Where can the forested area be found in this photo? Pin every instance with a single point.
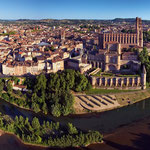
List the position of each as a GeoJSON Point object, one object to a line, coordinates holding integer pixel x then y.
{"type": "Point", "coordinates": [48, 133]}
{"type": "Point", "coordinates": [145, 60]}
{"type": "Point", "coordinates": [48, 93]}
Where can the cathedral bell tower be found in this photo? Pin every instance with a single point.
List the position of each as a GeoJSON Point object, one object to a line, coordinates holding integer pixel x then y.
{"type": "Point", "coordinates": [139, 31]}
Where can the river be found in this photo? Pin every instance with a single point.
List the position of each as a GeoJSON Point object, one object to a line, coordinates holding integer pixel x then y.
{"type": "Point", "coordinates": [116, 125]}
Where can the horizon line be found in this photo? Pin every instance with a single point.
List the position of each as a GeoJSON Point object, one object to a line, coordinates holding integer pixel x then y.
{"type": "Point", "coordinates": [69, 19]}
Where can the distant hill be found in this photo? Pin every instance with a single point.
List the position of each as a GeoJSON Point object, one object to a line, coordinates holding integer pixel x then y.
{"type": "Point", "coordinates": [72, 21]}
{"type": "Point", "coordinates": [124, 20]}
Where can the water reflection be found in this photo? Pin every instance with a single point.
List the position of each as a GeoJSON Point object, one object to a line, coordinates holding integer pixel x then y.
{"type": "Point", "coordinates": [103, 122]}
{"type": "Point", "coordinates": [110, 120]}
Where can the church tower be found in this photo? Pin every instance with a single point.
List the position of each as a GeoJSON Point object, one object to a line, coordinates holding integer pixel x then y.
{"type": "Point", "coordinates": [62, 35]}
{"type": "Point", "coordinates": [139, 31]}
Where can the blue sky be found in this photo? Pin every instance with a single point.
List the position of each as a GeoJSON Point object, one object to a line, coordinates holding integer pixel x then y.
{"type": "Point", "coordinates": [74, 9]}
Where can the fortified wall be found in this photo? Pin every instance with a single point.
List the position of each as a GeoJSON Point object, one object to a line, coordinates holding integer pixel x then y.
{"type": "Point", "coordinates": [114, 82]}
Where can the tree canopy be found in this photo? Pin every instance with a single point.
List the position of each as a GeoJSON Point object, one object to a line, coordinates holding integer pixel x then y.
{"type": "Point", "coordinates": [145, 60]}
{"type": "Point", "coordinates": [50, 93]}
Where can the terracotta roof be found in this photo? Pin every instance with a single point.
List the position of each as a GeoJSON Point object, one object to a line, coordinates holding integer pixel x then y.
{"type": "Point", "coordinates": [56, 59]}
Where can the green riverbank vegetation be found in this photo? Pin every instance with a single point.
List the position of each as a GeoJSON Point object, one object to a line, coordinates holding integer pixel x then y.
{"type": "Point", "coordinates": [47, 93]}
{"type": "Point", "coordinates": [47, 133]}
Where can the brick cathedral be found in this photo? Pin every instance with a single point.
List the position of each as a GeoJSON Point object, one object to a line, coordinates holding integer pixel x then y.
{"type": "Point", "coordinates": [111, 57]}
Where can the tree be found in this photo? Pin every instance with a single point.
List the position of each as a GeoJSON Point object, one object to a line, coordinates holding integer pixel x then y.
{"type": "Point", "coordinates": [146, 36]}
{"type": "Point", "coordinates": [67, 101]}
{"type": "Point", "coordinates": [56, 125]}
{"type": "Point", "coordinates": [35, 123]}
{"type": "Point", "coordinates": [35, 107]}
{"type": "Point", "coordinates": [15, 79]}
{"type": "Point", "coordinates": [34, 97]}
{"type": "Point", "coordinates": [81, 82]}
{"type": "Point", "coordinates": [71, 129]}
{"type": "Point", "coordinates": [21, 120]}
{"type": "Point", "coordinates": [56, 110]}
{"type": "Point", "coordinates": [144, 58]}
{"type": "Point", "coordinates": [38, 139]}
{"type": "Point", "coordinates": [16, 120]}
{"type": "Point", "coordinates": [1, 122]}
{"type": "Point", "coordinates": [70, 78]}
{"type": "Point", "coordinates": [40, 85]}
{"type": "Point", "coordinates": [28, 138]}
{"type": "Point", "coordinates": [9, 87]}
{"type": "Point", "coordinates": [89, 86]}
{"type": "Point", "coordinates": [1, 86]}
{"type": "Point", "coordinates": [44, 108]}
{"type": "Point", "coordinates": [5, 96]}
{"type": "Point", "coordinates": [26, 121]}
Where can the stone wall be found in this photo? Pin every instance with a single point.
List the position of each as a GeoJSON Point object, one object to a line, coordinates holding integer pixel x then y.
{"type": "Point", "coordinates": [117, 82]}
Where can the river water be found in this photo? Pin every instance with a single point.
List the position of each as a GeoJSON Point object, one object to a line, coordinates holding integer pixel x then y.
{"type": "Point", "coordinates": [106, 122]}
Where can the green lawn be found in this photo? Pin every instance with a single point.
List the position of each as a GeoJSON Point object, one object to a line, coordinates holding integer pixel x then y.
{"type": "Point", "coordinates": [136, 75]}
{"type": "Point", "coordinates": [106, 91]}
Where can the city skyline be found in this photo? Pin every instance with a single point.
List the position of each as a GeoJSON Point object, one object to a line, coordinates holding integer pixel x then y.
{"type": "Point", "coordinates": [72, 83]}
{"type": "Point", "coordinates": [85, 9]}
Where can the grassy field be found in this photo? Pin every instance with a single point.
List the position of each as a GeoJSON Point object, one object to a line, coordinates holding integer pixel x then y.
{"type": "Point", "coordinates": [133, 96]}
{"type": "Point", "coordinates": [123, 96]}
{"type": "Point", "coordinates": [107, 91]}
{"type": "Point", "coordinates": [136, 75]}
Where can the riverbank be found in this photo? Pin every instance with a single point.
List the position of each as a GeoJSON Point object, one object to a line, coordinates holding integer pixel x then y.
{"type": "Point", "coordinates": [9, 141]}
{"type": "Point", "coordinates": [1, 132]}
{"type": "Point", "coordinates": [118, 99]}
{"type": "Point", "coordinates": [5, 133]}
{"type": "Point", "coordinates": [123, 99]}
{"type": "Point", "coordinates": [12, 142]}
{"type": "Point", "coordinates": [103, 122]}
{"type": "Point", "coordinates": [134, 136]}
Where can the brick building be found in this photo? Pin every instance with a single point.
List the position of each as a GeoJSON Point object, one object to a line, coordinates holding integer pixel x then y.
{"type": "Point", "coordinates": [110, 56]}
